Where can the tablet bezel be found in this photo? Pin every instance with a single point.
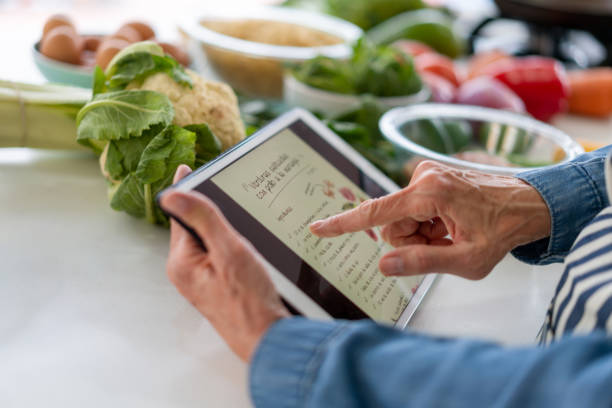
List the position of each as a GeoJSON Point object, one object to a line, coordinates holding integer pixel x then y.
{"type": "Point", "coordinates": [286, 288]}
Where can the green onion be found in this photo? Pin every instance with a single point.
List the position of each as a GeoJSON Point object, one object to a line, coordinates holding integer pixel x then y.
{"type": "Point", "coordinates": [40, 116]}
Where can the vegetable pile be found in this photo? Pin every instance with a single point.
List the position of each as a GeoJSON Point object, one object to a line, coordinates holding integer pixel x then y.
{"type": "Point", "coordinates": [147, 116]}
{"type": "Point", "coordinates": [380, 71]}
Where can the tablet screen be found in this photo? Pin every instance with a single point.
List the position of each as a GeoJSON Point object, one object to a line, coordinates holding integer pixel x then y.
{"type": "Point", "coordinates": [272, 193]}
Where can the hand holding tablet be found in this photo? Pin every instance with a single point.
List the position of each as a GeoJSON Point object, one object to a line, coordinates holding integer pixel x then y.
{"type": "Point", "coordinates": [227, 282]}
{"type": "Point", "coordinates": [280, 180]}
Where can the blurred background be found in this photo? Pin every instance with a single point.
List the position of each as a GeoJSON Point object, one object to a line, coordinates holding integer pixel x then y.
{"type": "Point", "coordinates": [575, 31]}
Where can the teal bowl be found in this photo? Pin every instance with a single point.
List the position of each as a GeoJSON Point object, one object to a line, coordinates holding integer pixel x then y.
{"type": "Point", "coordinates": [61, 72]}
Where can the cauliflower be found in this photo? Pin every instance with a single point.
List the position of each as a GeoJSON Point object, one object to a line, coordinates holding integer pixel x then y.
{"type": "Point", "coordinates": [209, 102]}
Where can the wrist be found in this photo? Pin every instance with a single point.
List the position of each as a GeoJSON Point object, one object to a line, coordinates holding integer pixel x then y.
{"type": "Point", "coordinates": [259, 329]}
{"type": "Point", "coordinates": [524, 215]}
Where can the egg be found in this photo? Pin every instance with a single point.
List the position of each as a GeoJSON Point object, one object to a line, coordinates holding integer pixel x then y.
{"type": "Point", "coordinates": [175, 52]}
{"type": "Point", "coordinates": [129, 34]}
{"type": "Point", "coordinates": [62, 44]}
{"type": "Point", "coordinates": [145, 30]}
{"type": "Point", "coordinates": [108, 49]}
{"type": "Point", "coordinates": [91, 42]}
{"type": "Point", "coordinates": [57, 20]}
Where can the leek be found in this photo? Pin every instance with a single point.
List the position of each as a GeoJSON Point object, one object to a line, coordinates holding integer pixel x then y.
{"type": "Point", "coordinates": [40, 116]}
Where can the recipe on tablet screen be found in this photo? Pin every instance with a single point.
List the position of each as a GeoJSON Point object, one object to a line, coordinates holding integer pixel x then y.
{"type": "Point", "coordinates": [286, 185]}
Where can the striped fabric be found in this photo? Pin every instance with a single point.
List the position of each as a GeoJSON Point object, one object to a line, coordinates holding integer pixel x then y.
{"type": "Point", "coordinates": [583, 298]}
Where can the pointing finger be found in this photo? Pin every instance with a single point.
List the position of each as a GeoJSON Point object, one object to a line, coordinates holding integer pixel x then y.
{"type": "Point", "coordinates": [375, 212]}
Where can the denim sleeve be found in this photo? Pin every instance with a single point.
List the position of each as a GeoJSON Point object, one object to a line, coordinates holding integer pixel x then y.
{"type": "Point", "coordinates": [304, 363]}
{"type": "Point", "coordinates": [575, 193]}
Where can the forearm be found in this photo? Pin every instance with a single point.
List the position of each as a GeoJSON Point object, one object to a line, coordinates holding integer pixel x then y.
{"type": "Point", "coordinates": [574, 192]}
{"type": "Point", "coordinates": [303, 363]}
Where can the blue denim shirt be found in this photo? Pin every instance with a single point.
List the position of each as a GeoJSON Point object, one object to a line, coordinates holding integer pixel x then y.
{"type": "Point", "coordinates": [306, 363]}
{"type": "Point", "coordinates": [575, 193]}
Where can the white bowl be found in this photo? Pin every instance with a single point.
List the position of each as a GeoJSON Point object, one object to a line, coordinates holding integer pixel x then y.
{"type": "Point", "coordinates": [255, 68]}
{"type": "Point", "coordinates": [332, 104]}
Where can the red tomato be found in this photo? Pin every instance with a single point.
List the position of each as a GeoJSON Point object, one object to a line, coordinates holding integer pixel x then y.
{"type": "Point", "coordinates": [540, 82]}
{"type": "Point", "coordinates": [413, 48]}
{"type": "Point", "coordinates": [439, 65]}
{"type": "Point", "coordinates": [442, 90]}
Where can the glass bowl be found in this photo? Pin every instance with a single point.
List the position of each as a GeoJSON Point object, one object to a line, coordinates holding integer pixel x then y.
{"type": "Point", "coordinates": [472, 137]}
{"type": "Point", "coordinates": [255, 68]}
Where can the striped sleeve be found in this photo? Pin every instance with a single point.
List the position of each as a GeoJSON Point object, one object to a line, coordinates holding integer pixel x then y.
{"type": "Point", "coordinates": [583, 298]}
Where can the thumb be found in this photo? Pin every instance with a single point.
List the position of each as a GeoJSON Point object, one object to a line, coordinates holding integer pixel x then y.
{"type": "Point", "coordinates": [204, 217]}
{"type": "Point", "coordinates": [421, 259]}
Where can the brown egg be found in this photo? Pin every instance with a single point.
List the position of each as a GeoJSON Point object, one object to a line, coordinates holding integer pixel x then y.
{"type": "Point", "coordinates": [128, 34]}
{"type": "Point", "coordinates": [176, 52]}
{"type": "Point", "coordinates": [91, 42]}
{"type": "Point", "coordinates": [145, 30]}
{"type": "Point", "coordinates": [57, 20]}
{"type": "Point", "coordinates": [62, 44]}
{"type": "Point", "coordinates": [108, 49]}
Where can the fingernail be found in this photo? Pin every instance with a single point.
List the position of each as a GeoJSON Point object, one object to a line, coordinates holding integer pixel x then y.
{"type": "Point", "coordinates": [317, 224]}
{"type": "Point", "coordinates": [177, 203]}
{"type": "Point", "coordinates": [393, 265]}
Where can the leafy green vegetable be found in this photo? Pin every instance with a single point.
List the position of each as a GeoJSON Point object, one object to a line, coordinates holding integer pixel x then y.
{"type": "Point", "coordinates": [121, 115]}
{"type": "Point", "coordinates": [364, 13]}
{"type": "Point", "coordinates": [379, 71]}
{"type": "Point", "coordinates": [133, 130]}
{"type": "Point", "coordinates": [137, 66]}
{"type": "Point", "coordinates": [368, 13]}
{"type": "Point", "coordinates": [429, 26]}
{"type": "Point", "coordinates": [134, 64]}
{"type": "Point", "coordinates": [360, 129]}
{"type": "Point", "coordinates": [446, 137]}
{"type": "Point", "coordinates": [207, 145]}
{"type": "Point", "coordinates": [153, 171]}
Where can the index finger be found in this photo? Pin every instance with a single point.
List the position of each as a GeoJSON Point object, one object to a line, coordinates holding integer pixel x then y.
{"type": "Point", "coordinates": [376, 212]}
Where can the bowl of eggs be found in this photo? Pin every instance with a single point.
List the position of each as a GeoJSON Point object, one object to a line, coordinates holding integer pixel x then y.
{"type": "Point", "coordinates": [65, 56]}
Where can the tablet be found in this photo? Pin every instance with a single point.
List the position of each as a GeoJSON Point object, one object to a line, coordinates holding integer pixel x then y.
{"type": "Point", "coordinates": [274, 184]}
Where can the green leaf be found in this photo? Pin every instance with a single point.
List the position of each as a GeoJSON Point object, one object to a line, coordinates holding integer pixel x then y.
{"type": "Point", "coordinates": [157, 163]}
{"type": "Point", "coordinates": [368, 13]}
{"type": "Point", "coordinates": [114, 162]}
{"type": "Point", "coordinates": [99, 81]}
{"type": "Point", "coordinates": [122, 115]}
{"type": "Point", "coordinates": [182, 153]}
{"type": "Point", "coordinates": [129, 197]}
{"type": "Point", "coordinates": [140, 65]}
{"type": "Point", "coordinates": [148, 47]}
{"type": "Point", "coordinates": [431, 134]}
{"type": "Point", "coordinates": [207, 145]}
{"type": "Point", "coordinates": [379, 71]}
{"type": "Point", "coordinates": [460, 133]}
{"type": "Point", "coordinates": [433, 27]}
{"type": "Point", "coordinates": [152, 166]}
